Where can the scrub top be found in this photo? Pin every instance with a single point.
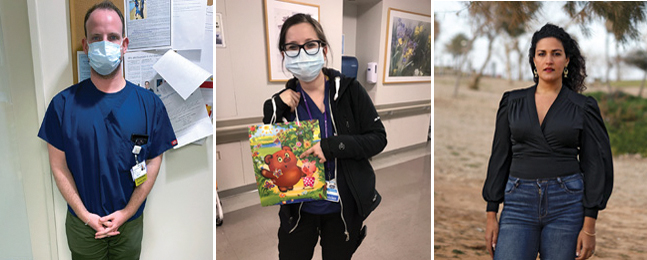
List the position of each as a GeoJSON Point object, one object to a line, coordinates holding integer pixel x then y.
{"type": "Point", "coordinates": [94, 130]}
{"type": "Point", "coordinates": [308, 110]}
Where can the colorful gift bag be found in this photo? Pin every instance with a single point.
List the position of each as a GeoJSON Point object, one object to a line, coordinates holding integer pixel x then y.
{"type": "Point", "coordinates": [282, 177]}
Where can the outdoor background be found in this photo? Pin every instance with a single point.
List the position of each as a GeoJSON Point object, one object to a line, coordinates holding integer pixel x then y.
{"type": "Point", "coordinates": [481, 51]}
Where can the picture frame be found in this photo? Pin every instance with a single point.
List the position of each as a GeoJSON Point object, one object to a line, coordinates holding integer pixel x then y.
{"type": "Point", "coordinates": [407, 51]}
{"type": "Point", "coordinates": [276, 12]}
{"type": "Point", "coordinates": [220, 32]}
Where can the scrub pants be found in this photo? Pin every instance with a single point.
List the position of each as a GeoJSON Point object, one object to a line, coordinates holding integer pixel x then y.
{"type": "Point", "coordinates": [126, 245]}
{"type": "Point", "coordinates": [300, 244]}
{"type": "Point", "coordinates": [542, 216]}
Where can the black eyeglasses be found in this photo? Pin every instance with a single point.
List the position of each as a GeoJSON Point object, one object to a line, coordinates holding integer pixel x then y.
{"type": "Point", "coordinates": [311, 48]}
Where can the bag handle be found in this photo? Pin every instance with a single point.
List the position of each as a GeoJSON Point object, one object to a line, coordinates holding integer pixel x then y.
{"type": "Point", "coordinates": [296, 112]}
{"type": "Point", "coordinates": [273, 120]}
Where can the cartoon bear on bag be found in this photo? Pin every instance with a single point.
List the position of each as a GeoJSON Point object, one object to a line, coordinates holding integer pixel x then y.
{"type": "Point", "coordinates": [284, 171]}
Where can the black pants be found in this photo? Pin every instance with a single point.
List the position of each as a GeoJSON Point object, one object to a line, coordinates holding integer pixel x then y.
{"type": "Point", "coordinates": [300, 244]}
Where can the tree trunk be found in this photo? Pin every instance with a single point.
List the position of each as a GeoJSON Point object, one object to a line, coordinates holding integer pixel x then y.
{"type": "Point", "coordinates": [608, 64]}
{"type": "Point", "coordinates": [458, 81]}
{"type": "Point", "coordinates": [460, 74]}
{"type": "Point", "coordinates": [520, 61]}
{"type": "Point", "coordinates": [508, 61]}
{"type": "Point", "coordinates": [642, 85]}
{"type": "Point", "coordinates": [478, 32]}
{"type": "Point", "coordinates": [475, 80]}
{"type": "Point", "coordinates": [617, 60]}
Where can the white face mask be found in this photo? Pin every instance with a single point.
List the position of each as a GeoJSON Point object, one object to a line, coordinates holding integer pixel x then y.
{"type": "Point", "coordinates": [305, 67]}
{"type": "Point", "coordinates": [104, 56]}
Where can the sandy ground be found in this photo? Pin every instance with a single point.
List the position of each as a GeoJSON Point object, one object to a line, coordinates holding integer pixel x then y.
{"type": "Point", "coordinates": [463, 132]}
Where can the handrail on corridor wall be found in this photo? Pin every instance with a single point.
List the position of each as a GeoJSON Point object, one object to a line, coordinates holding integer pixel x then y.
{"type": "Point", "coordinates": [234, 130]}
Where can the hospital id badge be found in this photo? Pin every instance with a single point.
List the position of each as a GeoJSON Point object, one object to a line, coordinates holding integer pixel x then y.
{"type": "Point", "coordinates": [138, 173]}
{"type": "Point", "coordinates": [331, 191]}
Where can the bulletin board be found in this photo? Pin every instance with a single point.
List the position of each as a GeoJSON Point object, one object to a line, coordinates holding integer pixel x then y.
{"type": "Point", "coordinates": [78, 8]}
{"type": "Point", "coordinates": [177, 75]}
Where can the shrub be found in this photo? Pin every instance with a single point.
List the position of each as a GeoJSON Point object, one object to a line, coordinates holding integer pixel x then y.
{"type": "Point", "coordinates": [625, 117]}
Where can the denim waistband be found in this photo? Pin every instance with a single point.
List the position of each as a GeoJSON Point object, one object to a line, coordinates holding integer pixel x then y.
{"type": "Point", "coordinates": [560, 179]}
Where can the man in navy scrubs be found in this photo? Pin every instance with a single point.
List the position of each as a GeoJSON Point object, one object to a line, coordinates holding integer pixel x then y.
{"type": "Point", "coordinates": [105, 137]}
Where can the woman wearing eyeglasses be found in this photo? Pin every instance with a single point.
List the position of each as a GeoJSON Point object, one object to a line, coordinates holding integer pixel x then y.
{"type": "Point", "coordinates": [351, 133]}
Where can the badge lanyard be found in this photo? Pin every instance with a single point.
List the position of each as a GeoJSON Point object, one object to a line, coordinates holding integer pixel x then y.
{"type": "Point", "coordinates": [326, 135]}
{"type": "Point", "coordinates": [138, 172]}
{"type": "Point", "coordinates": [332, 194]}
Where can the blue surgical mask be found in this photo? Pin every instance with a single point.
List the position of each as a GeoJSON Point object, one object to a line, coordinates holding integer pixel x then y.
{"type": "Point", "coordinates": [104, 56]}
{"type": "Point", "coordinates": [305, 67]}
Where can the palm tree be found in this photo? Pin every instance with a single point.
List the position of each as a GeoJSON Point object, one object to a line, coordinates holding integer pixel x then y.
{"type": "Point", "coordinates": [514, 31]}
{"type": "Point", "coordinates": [510, 17]}
{"type": "Point", "coordinates": [458, 47]}
{"type": "Point", "coordinates": [621, 20]}
{"type": "Point", "coordinates": [480, 28]}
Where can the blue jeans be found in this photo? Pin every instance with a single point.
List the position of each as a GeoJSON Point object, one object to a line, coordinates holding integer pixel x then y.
{"type": "Point", "coordinates": [541, 216]}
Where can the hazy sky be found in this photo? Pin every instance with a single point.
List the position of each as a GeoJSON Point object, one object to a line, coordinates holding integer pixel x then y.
{"type": "Point", "coordinates": [592, 47]}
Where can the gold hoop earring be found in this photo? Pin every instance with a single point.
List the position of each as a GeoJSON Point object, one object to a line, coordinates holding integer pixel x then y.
{"type": "Point", "coordinates": [535, 71]}
{"type": "Point", "coordinates": [565, 72]}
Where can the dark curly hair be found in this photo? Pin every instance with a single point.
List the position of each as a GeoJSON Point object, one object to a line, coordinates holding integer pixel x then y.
{"type": "Point", "coordinates": [576, 65]}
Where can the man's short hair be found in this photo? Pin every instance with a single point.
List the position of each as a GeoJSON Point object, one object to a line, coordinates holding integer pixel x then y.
{"type": "Point", "coordinates": [106, 5]}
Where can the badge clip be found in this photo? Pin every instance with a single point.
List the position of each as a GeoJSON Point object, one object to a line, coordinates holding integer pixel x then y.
{"type": "Point", "coordinates": [331, 191]}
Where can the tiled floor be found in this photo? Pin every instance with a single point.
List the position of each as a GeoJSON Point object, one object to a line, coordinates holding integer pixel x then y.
{"type": "Point", "coordinates": [400, 228]}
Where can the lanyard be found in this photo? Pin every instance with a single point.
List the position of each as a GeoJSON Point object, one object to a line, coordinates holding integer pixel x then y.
{"type": "Point", "coordinates": [310, 114]}
{"type": "Point", "coordinates": [326, 135]}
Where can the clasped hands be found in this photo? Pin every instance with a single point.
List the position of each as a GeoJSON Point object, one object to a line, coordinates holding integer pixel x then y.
{"type": "Point", "coordinates": [107, 226]}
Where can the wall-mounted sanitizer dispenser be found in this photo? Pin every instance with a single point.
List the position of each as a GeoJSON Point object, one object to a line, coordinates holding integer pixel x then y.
{"type": "Point", "coordinates": [371, 72]}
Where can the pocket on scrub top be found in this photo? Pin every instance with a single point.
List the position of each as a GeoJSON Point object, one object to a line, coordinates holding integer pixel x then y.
{"type": "Point", "coordinates": [127, 158]}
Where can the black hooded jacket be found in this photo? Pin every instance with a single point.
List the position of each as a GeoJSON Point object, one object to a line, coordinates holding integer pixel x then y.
{"type": "Point", "coordinates": [359, 135]}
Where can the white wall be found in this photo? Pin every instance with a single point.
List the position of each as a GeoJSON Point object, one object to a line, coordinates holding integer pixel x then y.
{"type": "Point", "coordinates": [350, 29]}
{"type": "Point", "coordinates": [178, 215]}
{"type": "Point", "coordinates": [22, 188]}
{"type": "Point", "coordinates": [242, 80]}
{"type": "Point", "coordinates": [368, 36]}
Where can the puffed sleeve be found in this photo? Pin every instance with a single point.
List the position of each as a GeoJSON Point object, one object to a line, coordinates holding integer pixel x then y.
{"type": "Point", "coordinates": [500, 159]}
{"type": "Point", "coordinates": [595, 160]}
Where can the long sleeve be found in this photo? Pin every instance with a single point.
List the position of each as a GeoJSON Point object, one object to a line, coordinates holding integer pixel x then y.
{"type": "Point", "coordinates": [500, 159]}
{"type": "Point", "coordinates": [595, 160]}
{"type": "Point", "coordinates": [370, 137]}
{"type": "Point", "coordinates": [282, 109]}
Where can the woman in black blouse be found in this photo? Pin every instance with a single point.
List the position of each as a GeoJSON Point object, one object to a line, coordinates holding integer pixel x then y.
{"type": "Point", "coordinates": [551, 161]}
